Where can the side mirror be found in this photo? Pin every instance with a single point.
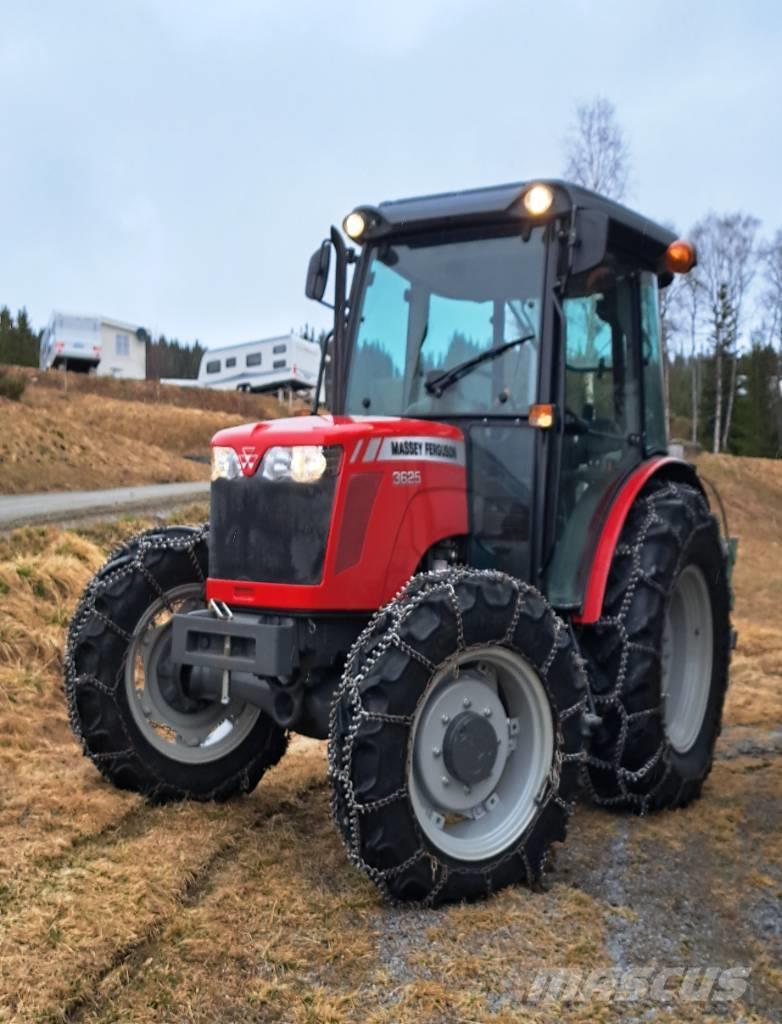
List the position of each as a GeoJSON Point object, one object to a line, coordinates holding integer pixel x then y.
{"type": "Point", "coordinates": [318, 272]}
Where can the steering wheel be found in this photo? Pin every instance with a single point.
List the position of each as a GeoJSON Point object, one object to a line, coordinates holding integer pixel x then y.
{"type": "Point", "coordinates": [575, 423]}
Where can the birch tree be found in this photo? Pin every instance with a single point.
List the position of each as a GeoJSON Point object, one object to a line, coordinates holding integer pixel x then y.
{"type": "Point", "coordinates": [691, 298]}
{"type": "Point", "coordinates": [772, 274]}
{"type": "Point", "coordinates": [726, 265]}
{"type": "Point", "coordinates": [596, 152]}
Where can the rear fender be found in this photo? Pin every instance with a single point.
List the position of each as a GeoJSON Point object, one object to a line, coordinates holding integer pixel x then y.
{"type": "Point", "coordinates": [664, 467]}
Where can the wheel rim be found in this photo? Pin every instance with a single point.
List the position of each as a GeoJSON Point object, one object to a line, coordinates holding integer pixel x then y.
{"type": "Point", "coordinates": [485, 697]}
{"type": "Point", "coordinates": [687, 654]}
{"type": "Point", "coordinates": [186, 730]}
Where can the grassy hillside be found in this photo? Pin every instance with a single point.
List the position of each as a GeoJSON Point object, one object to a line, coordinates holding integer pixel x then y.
{"type": "Point", "coordinates": [111, 910]}
{"type": "Point", "coordinates": [109, 433]}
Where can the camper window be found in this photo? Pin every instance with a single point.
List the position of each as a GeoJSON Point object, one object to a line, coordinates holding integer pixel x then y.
{"type": "Point", "coordinates": [254, 359]}
{"type": "Point", "coordinates": [213, 366]}
{"type": "Point", "coordinates": [278, 349]}
{"type": "Point", "coordinates": [231, 361]}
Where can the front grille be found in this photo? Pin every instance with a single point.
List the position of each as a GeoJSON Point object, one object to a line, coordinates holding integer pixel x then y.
{"type": "Point", "coordinates": [270, 531]}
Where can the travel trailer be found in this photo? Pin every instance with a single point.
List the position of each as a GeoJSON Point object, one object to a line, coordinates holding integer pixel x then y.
{"type": "Point", "coordinates": [270, 364]}
{"type": "Point", "coordinates": [90, 344]}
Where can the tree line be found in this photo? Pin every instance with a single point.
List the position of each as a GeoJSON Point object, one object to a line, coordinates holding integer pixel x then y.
{"type": "Point", "coordinates": [721, 323]}
{"type": "Point", "coordinates": [19, 343]}
{"type": "Point", "coordinates": [166, 357]}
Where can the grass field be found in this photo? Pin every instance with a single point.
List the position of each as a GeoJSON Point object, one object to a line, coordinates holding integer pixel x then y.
{"type": "Point", "coordinates": [114, 911]}
{"type": "Point", "coordinates": [102, 432]}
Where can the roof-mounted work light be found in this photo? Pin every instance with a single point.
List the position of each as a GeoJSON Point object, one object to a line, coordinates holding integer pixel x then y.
{"type": "Point", "coordinates": [355, 224]}
{"type": "Point", "coordinates": [538, 199]}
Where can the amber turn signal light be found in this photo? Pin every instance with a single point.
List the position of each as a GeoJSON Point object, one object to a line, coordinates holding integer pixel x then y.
{"type": "Point", "coordinates": [541, 416]}
{"type": "Point", "coordinates": [680, 257]}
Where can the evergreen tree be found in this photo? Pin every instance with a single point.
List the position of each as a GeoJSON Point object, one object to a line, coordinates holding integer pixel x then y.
{"type": "Point", "coordinates": [6, 335]}
{"type": "Point", "coordinates": [172, 358]}
{"type": "Point", "coordinates": [19, 343]}
{"type": "Point", "coordinates": [755, 429]}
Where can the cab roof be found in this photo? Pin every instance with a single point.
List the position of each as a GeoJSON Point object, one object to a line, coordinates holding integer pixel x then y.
{"type": "Point", "coordinates": [503, 203]}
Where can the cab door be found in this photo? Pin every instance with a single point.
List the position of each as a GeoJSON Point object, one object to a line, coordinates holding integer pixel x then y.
{"type": "Point", "coordinates": [601, 431]}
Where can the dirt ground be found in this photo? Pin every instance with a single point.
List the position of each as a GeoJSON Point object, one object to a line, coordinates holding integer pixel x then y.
{"type": "Point", "coordinates": [114, 911]}
{"type": "Point", "coordinates": [113, 433]}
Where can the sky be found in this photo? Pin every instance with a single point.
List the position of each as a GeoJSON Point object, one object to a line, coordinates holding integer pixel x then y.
{"type": "Point", "coordinates": [173, 163]}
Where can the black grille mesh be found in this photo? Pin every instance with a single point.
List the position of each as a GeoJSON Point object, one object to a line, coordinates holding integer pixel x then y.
{"type": "Point", "coordinates": [271, 531]}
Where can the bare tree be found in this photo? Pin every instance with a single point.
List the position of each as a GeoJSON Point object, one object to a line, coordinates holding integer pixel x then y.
{"type": "Point", "coordinates": [691, 296]}
{"type": "Point", "coordinates": [596, 152]}
{"type": "Point", "coordinates": [726, 265]}
{"type": "Point", "coordinates": [772, 273]}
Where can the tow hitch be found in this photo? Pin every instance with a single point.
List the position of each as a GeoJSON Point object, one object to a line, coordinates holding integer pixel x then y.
{"type": "Point", "coordinates": [251, 657]}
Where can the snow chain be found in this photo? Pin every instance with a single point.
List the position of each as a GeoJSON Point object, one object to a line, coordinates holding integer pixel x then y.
{"type": "Point", "coordinates": [370, 646]}
{"type": "Point", "coordinates": [137, 548]}
{"type": "Point", "coordinates": [612, 701]}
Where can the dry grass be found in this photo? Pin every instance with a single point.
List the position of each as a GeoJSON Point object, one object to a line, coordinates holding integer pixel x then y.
{"type": "Point", "coordinates": [107, 433]}
{"type": "Point", "coordinates": [246, 406]}
{"type": "Point", "coordinates": [114, 911]}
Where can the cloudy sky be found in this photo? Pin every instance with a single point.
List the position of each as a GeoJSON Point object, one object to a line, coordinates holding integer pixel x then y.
{"type": "Point", "coordinates": [174, 162]}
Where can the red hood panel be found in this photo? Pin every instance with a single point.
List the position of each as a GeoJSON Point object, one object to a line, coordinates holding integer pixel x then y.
{"type": "Point", "coordinates": [251, 440]}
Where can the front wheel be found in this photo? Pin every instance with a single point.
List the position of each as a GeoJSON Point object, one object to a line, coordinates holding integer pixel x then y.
{"type": "Point", "coordinates": [126, 698]}
{"type": "Point", "coordinates": [456, 738]}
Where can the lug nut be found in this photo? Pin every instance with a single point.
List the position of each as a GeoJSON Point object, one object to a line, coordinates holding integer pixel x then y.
{"type": "Point", "coordinates": [487, 712]}
{"type": "Point", "coordinates": [467, 789]}
{"type": "Point", "coordinates": [435, 751]}
{"type": "Point", "coordinates": [445, 719]}
{"type": "Point", "coordinates": [467, 702]}
{"type": "Point", "coordinates": [445, 780]}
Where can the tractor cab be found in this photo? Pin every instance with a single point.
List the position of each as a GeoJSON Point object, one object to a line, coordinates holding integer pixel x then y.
{"type": "Point", "coordinates": [527, 316]}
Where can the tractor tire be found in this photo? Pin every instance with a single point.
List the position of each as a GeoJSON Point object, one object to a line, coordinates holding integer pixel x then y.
{"type": "Point", "coordinates": [658, 658]}
{"type": "Point", "coordinates": [153, 738]}
{"type": "Point", "coordinates": [456, 738]}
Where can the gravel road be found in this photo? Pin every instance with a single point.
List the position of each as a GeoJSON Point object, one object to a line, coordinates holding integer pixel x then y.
{"type": "Point", "coordinates": [61, 506]}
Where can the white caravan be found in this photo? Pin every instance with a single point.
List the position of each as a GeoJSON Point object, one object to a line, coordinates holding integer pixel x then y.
{"type": "Point", "coordinates": [287, 362]}
{"type": "Point", "coordinates": [88, 344]}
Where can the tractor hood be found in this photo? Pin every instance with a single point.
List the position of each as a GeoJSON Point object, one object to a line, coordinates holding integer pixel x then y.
{"type": "Point", "coordinates": [364, 439]}
{"type": "Point", "coordinates": [347, 539]}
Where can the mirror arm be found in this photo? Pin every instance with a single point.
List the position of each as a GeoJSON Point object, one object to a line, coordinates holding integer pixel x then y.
{"type": "Point", "coordinates": [321, 373]}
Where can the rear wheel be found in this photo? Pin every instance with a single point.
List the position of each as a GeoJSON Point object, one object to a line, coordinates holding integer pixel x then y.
{"type": "Point", "coordinates": [659, 656]}
{"type": "Point", "coordinates": [126, 698]}
{"type": "Point", "coordinates": [456, 738]}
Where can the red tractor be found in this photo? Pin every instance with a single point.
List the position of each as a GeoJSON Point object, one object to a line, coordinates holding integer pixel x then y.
{"type": "Point", "coordinates": [481, 576]}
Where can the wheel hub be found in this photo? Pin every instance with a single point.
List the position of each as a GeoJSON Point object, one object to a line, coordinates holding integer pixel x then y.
{"type": "Point", "coordinates": [447, 778]}
{"type": "Point", "coordinates": [185, 729]}
{"type": "Point", "coordinates": [687, 652]}
{"type": "Point", "coordinates": [482, 745]}
{"type": "Point", "coordinates": [470, 748]}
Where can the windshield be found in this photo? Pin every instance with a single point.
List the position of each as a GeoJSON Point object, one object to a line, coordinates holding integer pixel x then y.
{"type": "Point", "coordinates": [427, 308]}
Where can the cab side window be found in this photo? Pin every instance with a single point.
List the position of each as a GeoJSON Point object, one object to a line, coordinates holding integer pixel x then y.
{"type": "Point", "coordinates": [599, 385]}
{"type": "Point", "coordinates": [655, 432]}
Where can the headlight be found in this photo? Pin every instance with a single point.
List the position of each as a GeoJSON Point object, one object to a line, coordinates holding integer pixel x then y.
{"type": "Point", "coordinates": [304, 463]}
{"type": "Point", "coordinates": [225, 464]}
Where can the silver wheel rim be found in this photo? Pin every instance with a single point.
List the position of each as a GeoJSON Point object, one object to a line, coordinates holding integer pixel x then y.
{"type": "Point", "coordinates": [687, 655]}
{"type": "Point", "coordinates": [199, 736]}
{"type": "Point", "coordinates": [484, 819]}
